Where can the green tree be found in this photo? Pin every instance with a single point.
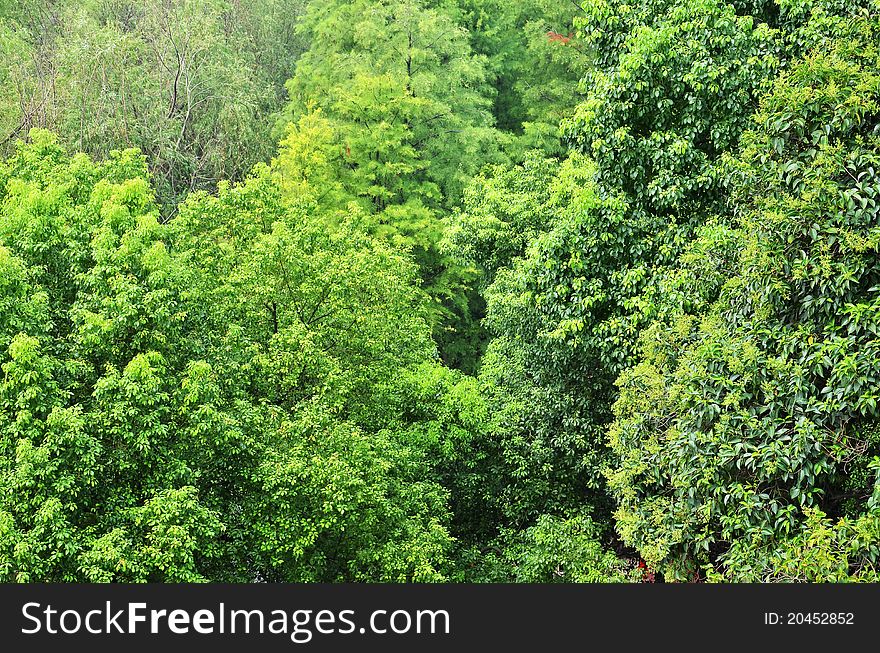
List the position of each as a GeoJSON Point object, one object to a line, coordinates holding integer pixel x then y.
{"type": "Point", "coordinates": [406, 94]}
{"type": "Point", "coordinates": [536, 62]}
{"type": "Point", "coordinates": [748, 430]}
{"type": "Point", "coordinates": [191, 84]}
{"type": "Point", "coordinates": [206, 400]}
{"type": "Point", "coordinates": [576, 254]}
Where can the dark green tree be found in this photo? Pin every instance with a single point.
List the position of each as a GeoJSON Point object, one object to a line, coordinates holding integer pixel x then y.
{"type": "Point", "coordinates": [747, 435]}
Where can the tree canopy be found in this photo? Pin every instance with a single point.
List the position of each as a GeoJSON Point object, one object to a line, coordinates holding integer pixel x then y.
{"type": "Point", "coordinates": [440, 291]}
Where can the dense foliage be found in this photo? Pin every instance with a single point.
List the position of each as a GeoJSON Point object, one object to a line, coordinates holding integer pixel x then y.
{"type": "Point", "coordinates": [440, 290]}
{"type": "Point", "coordinates": [192, 84]}
{"type": "Point", "coordinates": [762, 387]}
{"type": "Point", "coordinates": [176, 412]}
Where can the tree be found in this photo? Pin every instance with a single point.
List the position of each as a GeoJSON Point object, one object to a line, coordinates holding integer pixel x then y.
{"type": "Point", "coordinates": [407, 96]}
{"type": "Point", "coordinates": [403, 106]}
{"type": "Point", "coordinates": [503, 210]}
{"type": "Point", "coordinates": [748, 429]}
{"type": "Point", "coordinates": [172, 411]}
{"type": "Point", "coordinates": [536, 61]}
{"type": "Point", "coordinates": [98, 475]}
{"type": "Point", "coordinates": [576, 256]}
{"type": "Point", "coordinates": [191, 84]}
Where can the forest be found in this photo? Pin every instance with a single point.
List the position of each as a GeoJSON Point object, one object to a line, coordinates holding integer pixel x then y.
{"type": "Point", "coordinates": [545, 291]}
